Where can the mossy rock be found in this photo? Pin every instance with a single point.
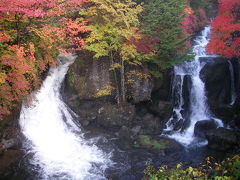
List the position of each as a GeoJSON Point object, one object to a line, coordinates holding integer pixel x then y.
{"type": "Point", "coordinates": [148, 142]}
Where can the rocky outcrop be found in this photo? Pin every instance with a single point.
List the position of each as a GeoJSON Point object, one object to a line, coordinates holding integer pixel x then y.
{"type": "Point", "coordinates": [10, 152]}
{"type": "Point", "coordinates": [223, 139]}
{"type": "Point", "coordinates": [217, 80]}
{"type": "Point", "coordinates": [140, 115]}
{"type": "Point", "coordinates": [217, 77]}
{"type": "Point", "coordinates": [86, 77]}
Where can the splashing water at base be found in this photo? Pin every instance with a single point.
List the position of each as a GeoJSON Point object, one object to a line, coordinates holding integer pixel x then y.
{"type": "Point", "coordinates": [198, 109]}
{"type": "Point", "coordinates": [55, 140]}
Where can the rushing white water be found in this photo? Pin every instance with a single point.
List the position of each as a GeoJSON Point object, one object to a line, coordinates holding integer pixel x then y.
{"type": "Point", "coordinates": [55, 140]}
{"type": "Point", "coordinates": [198, 108]}
{"type": "Point", "coordinates": [233, 91]}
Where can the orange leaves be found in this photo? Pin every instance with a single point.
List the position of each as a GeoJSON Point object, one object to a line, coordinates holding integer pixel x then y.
{"type": "Point", "coordinates": [225, 38]}
{"type": "Point", "coordinates": [32, 34]}
{"type": "Point", "coordinates": [17, 77]}
{"type": "Point", "coordinates": [74, 30]}
{"type": "Point", "coordinates": [188, 10]}
{"type": "Point", "coordinates": [4, 37]}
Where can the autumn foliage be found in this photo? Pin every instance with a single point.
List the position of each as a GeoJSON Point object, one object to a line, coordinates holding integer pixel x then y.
{"type": "Point", "coordinates": [31, 35]}
{"type": "Point", "coordinates": [33, 32]}
{"type": "Point", "coordinates": [225, 36]}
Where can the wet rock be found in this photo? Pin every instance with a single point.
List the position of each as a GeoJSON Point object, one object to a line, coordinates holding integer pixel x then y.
{"type": "Point", "coordinates": [2, 149]}
{"type": "Point", "coordinates": [187, 86]}
{"type": "Point", "coordinates": [10, 143]}
{"type": "Point", "coordinates": [62, 58]}
{"type": "Point", "coordinates": [85, 123]}
{"type": "Point", "coordinates": [114, 116]}
{"type": "Point", "coordinates": [136, 130]}
{"type": "Point", "coordinates": [224, 112]}
{"type": "Point", "coordinates": [151, 125]}
{"type": "Point", "coordinates": [178, 125]}
{"type": "Point", "coordinates": [162, 109]}
{"type": "Point", "coordinates": [157, 143]}
{"type": "Point", "coordinates": [203, 127]}
{"type": "Point", "coordinates": [125, 132]}
{"type": "Point", "coordinates": [8, 159]}
{"type": "Point", "coordinates": [162, 87]}
{"type": "Point", "coordinates": [217, 80]}
{"type": "Point", "coordinates": [222, 139]}
{"type": "Point", "coordinates": [148, 117]}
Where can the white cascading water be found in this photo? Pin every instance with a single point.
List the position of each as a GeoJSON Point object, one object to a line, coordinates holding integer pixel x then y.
{"type": "Point", "coordinates": [233, 91]}
{"type": "Point", "coordinates": [55, 140]}
{"type": "Point", "coordinates": [198, 109]}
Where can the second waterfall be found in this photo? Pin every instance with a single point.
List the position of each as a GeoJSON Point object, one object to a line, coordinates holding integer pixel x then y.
{"type": "Point", "coordinates": [189, 96]}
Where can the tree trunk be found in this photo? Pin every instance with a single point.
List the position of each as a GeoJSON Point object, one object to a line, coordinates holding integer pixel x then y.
{"type": "Point", "coordinates": [115, 79]}
{"type": "Point", "coordinates": [17, 28]}
{"type": "Point", "coordinates": [123, 81]}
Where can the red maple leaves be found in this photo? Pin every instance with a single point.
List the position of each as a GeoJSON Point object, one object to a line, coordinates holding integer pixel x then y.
{"type": "Point", "coordinates": [32, 33]}
{"type": "Point", "coordinates": [225, 36]}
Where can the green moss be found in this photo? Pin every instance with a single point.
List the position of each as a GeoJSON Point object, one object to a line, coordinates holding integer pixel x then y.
{"type": "Point", "coordinates": [149, 143]}
{"type": "Point", "coordinates": [70, 78]}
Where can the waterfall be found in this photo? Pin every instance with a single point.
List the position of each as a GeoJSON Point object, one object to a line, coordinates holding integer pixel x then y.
{"type": "Point", "coordinates": [56, 142]}
{"type": "Point", "coordinates": [233, 91]}
{"type": "Point", "coordinates": [192, 108]}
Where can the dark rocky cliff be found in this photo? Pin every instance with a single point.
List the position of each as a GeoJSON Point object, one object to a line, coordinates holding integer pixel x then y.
{"type": "Point", "coordinates": [217, 77]}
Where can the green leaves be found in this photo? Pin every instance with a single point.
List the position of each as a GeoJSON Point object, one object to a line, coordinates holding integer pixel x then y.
{"type": "Point", "coordinates": [162, 23]}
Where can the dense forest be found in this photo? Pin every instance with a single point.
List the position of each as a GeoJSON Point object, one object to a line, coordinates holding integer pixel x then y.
{"type": "Point", "coordinates": [128, 32]}
{"type": "Point", "coordinates": [138, 39]}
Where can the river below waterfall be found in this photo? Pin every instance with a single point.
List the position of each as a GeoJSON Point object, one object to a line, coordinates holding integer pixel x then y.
{"type": "Point", "coordinates": [57, 148]}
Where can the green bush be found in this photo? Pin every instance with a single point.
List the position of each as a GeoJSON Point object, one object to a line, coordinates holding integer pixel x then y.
{"type": "Point", "coordinates": [229, 169]}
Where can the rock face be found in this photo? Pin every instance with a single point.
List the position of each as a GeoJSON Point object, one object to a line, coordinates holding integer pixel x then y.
{"type": "Point", "coordinates": [141, 85]}
{"type": "Point", "coordinates": [223, 139]}
{"type": "Point", "coordinates": [10, 152]}
{"type": "Point", "coordinates": [86, 77]}
{"type": "Point", "coordinates": [218, 83]}
{"type": "Point", "coordinates": [217, 80]}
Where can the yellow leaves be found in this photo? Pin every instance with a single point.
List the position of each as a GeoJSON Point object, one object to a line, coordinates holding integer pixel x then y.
{"type": "Point", "coordinates": [138, 74]}
{"type": "Point", "coordinates": [2, 78]}
{"type": "Point", "coordinates": [115, 66]}
{"type": "Point", "coordinates": [106, 90]}
{"type": "Point", "coordinates": [179, 166]}
{"type": "Point", "coordinates": [189, 169]}
{"type": "Point", "coordinates": [129, 54]}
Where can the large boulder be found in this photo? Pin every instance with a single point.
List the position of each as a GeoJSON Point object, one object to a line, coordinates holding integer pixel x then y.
{"type": "Point", "coordinates": [203, 127]}
{"type": "Point", "coordinates": [222, 139]}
